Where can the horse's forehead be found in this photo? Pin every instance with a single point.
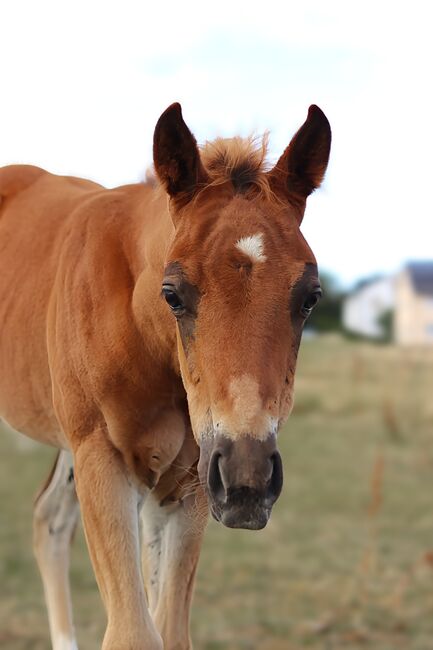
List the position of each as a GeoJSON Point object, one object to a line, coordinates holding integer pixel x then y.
{"type": "Point", "coordinates": [259, 232]}
{"type": "Point", "coordinates": [241, 232]}
{"type": "Point", "coordinates": [243, 214]}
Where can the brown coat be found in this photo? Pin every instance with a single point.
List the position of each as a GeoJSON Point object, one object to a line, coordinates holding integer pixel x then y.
{"type": "Point", "coordinates": [92, 359]}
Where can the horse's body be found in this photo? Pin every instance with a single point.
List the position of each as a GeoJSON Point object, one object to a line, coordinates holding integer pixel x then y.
{"type": "Point", "coordinates": [92, 361]}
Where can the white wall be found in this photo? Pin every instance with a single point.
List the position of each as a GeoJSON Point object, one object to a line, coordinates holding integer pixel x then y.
{"type": "Point", "coordinates": [363, 308]}
{"type": "Point", "coordinates": [413, 324]}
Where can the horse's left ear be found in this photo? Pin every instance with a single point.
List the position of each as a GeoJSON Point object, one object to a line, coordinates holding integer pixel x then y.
{"type": "Point", "coordinates": [301, 168]}
{"type": "Point", "coordinates": [175, 154]}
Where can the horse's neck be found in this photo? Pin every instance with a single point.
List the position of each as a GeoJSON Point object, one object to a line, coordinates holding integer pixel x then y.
{"type": "Point", "coordinates": [150, 234]}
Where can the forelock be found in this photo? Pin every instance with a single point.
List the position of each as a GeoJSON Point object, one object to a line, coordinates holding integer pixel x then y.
{"type": "Point", "coordinates": [240, 161]}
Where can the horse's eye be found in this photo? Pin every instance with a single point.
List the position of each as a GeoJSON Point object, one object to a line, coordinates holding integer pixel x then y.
{"type": "Point", "coordinates": [173, 300]}
{"type": "Point", "coordinates": [310, 302]}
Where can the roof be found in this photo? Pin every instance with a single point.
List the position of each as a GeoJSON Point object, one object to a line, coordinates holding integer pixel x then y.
{"type": "Point", "coordinates": [365, 282]}
{"type": "Point", "coordinates": [421, 274]}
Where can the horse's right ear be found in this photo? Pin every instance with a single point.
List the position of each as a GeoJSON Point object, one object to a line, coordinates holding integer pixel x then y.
{"type": "Point", "coordinates": [175, 154]}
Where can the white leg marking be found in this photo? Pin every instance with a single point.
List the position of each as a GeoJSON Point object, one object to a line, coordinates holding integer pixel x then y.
{"type": "Point", "coordinates": [62, 642]}
{"type": "Point", "coordinates": [153, 519]}
{"type": "Point", "coordinates": [55, 516]}
{"type": "Point", "coordinates": [171, 541]}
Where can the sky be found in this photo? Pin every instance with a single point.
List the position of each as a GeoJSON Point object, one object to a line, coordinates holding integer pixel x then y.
{"type": "Point", "coordinates": [83, 83]}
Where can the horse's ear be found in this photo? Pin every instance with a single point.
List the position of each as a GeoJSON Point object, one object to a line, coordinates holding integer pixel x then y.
{"type": "Point", "coordinates": [175, 154]}
{"type": "Point", "coordinates": [301, 168]}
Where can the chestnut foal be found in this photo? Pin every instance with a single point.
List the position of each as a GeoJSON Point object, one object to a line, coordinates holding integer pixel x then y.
{"type": "Point", "coordinates": [151, 334]}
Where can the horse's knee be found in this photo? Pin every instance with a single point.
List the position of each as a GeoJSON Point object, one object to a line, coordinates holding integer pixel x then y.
{"type": "Point", "coordinates": [117, 639]}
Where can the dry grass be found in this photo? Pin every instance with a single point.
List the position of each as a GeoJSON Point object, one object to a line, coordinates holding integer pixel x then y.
{"type": "Point", "coordinates": [347, 559]}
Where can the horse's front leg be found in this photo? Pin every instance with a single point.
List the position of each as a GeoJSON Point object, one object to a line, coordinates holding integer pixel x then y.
{"type": "Point", "coordinates": [171, 542]}
{"type": "Point", "coordinates": [109, 505]}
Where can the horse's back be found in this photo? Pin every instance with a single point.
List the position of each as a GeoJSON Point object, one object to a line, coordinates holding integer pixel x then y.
{"type": "Point", "coordinates": [34, 209]}
{"type": "Point", "coordinates": [15, 178]}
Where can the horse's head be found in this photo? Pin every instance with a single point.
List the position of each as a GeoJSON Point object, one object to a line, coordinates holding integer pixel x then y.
{"type": "Point", "coordinates": [240, 280]}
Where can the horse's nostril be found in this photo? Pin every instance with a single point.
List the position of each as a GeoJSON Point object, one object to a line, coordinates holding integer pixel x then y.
{"type": "Point", "coordinates": [214, 478]}
{"type": "Point", "coordinates": [276, 480]}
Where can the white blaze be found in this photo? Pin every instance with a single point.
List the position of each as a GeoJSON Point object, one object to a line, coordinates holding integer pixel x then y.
{"type": "Point", "coordinates": [253, 246]}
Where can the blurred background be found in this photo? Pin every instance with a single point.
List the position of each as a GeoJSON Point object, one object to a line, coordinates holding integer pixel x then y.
{"type": "Point", "coordinates": [347, 559]}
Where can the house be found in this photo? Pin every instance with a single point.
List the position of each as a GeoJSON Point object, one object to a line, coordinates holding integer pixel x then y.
{"type": "Point", "coordinates": [366, 304]}
{"type": "Point", "coordinates": [413, 318]}
{"type": "Point", "coordinates": [408, 294]}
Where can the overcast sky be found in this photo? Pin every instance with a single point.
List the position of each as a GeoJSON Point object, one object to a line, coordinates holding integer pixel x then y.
{"type": "Point", "coordinates": [83, 83]}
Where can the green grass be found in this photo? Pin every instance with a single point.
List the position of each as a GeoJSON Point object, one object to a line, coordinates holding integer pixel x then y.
{"type": "Point", "coordinates": [347, 558]}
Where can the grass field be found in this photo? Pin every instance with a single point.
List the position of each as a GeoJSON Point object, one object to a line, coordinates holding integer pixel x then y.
{"type": "Point", "coordinates": [347, 558]}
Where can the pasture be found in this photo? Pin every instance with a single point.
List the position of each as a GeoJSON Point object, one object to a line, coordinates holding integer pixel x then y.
{"type": "Point", "coordinates": [347, 558]}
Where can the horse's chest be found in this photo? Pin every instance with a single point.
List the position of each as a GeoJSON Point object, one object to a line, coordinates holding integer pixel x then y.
{"type": "Point", "coordinates": [150, 441]}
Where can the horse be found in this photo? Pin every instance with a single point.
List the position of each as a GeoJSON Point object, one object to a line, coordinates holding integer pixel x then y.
{"type": "Point", "coordinates": [150, 332]}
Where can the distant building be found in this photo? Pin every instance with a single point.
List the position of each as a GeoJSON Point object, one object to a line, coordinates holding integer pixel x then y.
{"type": "Point", "coordinates": [409, 294]}
{"type": "Point", "coordinates": [413, 318]}
{"type": "Point", "coordinates": [364, 307]}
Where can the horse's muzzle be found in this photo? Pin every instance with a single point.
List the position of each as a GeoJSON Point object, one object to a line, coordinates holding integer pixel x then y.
{"type": "Point", "coordinates": [244, 479]}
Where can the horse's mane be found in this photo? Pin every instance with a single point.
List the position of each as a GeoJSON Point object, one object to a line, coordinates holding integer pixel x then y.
{"type": "Point", "coordinates": [239, 161]}
{"type": "Point", "coordinates": [242, 161]}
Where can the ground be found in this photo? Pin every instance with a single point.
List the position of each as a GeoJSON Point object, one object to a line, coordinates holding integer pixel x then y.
{"type": "Point", "coordinates": [347, 558]}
